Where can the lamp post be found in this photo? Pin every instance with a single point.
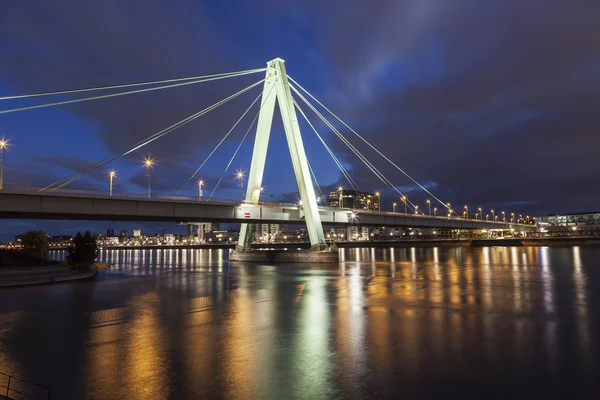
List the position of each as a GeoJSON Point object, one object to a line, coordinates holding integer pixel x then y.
{"type": "Point", "coordinates": [467, 212]}
{"type": "Point", "coordinates": [480, 213]}
{"type": "Point", "coordinates": [416, 209]}
{"type": "Point", "coordinates": [493, 215]}
{"type": "Point", "coordinates": [435, 212]}
{"type": "Point", "coordinates": [503, 216]}
{"type": "Point", "coordinates": [404, 201]}
{"type": "Point", "coordinates": [429, 205]}
{"type": "Point", "coordinates": [148, 163]}
{"type": "Point", "coordinates": [3, 145]}
{"type": "Point", "coordinates": [341, 199]}
{"type": "Point", "coordinates": [487, 217]}
{"type": "Point", "coordinates": [449, 209]}
{"type": "Point", "coordinates": [240, 176]}
{"type": "Point", "coordinates": [378, 195]}
{"type": "Point", "coordinates": [111, 175]}
{"type": "Point", "coordinates": [394, 204]}
{"type": "Point", "coordinates": [512, 217]}
{"type": "Point", "coordinates": [200, 184]}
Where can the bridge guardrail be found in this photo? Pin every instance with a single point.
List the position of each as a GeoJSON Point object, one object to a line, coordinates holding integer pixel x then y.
{"type": "Point", "coordinates": [25, 389]}
{"type": "Point", "coordinates": [30, 189]}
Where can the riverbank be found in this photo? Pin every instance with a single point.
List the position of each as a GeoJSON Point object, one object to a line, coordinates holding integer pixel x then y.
{"type": "Point", "coordinates": [555, 241]}
{"type": "Point", "coordinates": [18, 269]}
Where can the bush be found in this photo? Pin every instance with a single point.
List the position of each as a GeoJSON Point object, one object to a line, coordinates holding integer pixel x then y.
{"type": "Point", "coordinates": [84, 250]}
{"type": "Point", "coordinates": [35, 243]}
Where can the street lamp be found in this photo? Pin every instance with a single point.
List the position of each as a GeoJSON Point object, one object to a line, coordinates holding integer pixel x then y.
{"type": "Point", "coordinates": [378, 201]}
{"type": "Point", "coordinates": [404, 201]}
{"type": "Point", "coordinates": [429, 205]}
{"type": "Point", "coordinates": [200, 184]}
{"type": "Point", "coordinates": [435, 212]}
{"type": "Point", "coordinates": [340, 200]}
{"type": "Point", "coordinates": [111, 175]}
{"type": "Point", "coordinates": [487, 217]}
{"type": "Point", "coordinates": [480, 213]}
{"type": "Point", "coordinates": [394, 204]}
{"type": "Point", "coordinates": [240, 175]}
{"type": "Point", "coordinates": [512, 217]}
{"type": "Point", "coordinates": [148, 162]}
{"type": "Point", "coordinates": [416, 209]}
{"type": "Point", "coordinates": [3, 145]}
{"type": "Point", "coordinates": [467, 212]}
{"type": "Point", "coordinates": [493, 217]}
{"type": "Point", "coordinates": [503, 216]}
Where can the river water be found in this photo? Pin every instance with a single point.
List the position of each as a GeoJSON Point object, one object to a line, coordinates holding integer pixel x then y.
{"type": "Point", "coordinates": [495, 322]}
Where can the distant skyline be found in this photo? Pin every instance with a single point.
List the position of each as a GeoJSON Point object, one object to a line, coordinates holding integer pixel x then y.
{"type": "Point", "coordinates": [490, 105]}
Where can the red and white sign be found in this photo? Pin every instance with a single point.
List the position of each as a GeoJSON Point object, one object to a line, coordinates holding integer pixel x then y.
{"type": "Point", "coordinates": [247, 215]}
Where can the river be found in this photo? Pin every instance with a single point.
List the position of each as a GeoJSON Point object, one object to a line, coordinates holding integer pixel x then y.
{"type": "Point", "coordinates": [498, 322]}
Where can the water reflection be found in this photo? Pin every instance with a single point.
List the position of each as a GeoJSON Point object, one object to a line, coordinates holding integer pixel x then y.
{"type": "Point", "coordinates": [184, 323]}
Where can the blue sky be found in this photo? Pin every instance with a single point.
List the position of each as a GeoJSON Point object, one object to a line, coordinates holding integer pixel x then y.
{"type": "Point", "coordinates": [492, 105]}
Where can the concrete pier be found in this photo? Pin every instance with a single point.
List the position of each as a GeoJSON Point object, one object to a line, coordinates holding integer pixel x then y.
{"type": "Point", "coordinates": [285, 256]}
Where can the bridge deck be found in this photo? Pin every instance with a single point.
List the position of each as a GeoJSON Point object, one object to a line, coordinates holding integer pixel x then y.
{"type": "Point", "coordinates": [73, 204]}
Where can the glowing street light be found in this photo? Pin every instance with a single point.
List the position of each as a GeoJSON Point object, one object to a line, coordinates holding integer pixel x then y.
{"type": "Point", "coordinates": [435, 212]}
{"type": "Point", "coordinates": [503, 216]}
{"type": "Point", "coordinates": [480, 213]}
{"type": "Point", "coordinates": [416, 209]}
{"type": "Point", "coordinates": [112, 173]}
{"type": "Point", "coordinates": [378, 194]}
{"type": "Point", "coordinates": [404, 201]}
{"type": "Point", "coordinates": [200, 184]}
{"type": "Point", "coordinates": [340, 199]}
{"type": "Point", "coordinates": [466, 212]}
{"type": "Point", "coordinates": [429, 205]}
{"type": "Point", "coordinates": [148, 162]}
{"type": "Point", "coordinates": [487, 217]}
{"type": "Point", "coordinates": [394, 204]}
{"type": "Point", "coordinates": [512, 217]}
{"type": "Point", "coordinates": [493, 215]}
{"type": "Point", "coordinates": [240, 175]}
{"type": "Point", "coordinates": [3, 145]}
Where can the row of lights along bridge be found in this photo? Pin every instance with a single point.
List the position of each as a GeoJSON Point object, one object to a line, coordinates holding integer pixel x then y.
{"type": "Point", "coordinates": [149, 163]}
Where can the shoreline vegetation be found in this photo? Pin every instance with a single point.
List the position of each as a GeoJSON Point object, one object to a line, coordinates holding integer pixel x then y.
{"type": "Point", "coordinates": [32, 266]}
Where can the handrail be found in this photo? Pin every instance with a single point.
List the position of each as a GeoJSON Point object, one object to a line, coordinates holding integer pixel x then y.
{"type": "Point", "coordinates": [9, 390]}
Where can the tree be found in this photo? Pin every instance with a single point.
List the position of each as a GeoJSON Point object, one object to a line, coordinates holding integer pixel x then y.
{"type": "Point", "coordinates": [84, 250]}
{"type": "Point", "coordinates": [35, 243]}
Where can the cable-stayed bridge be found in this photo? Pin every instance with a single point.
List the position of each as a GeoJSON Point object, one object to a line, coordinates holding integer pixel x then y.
{"type": "Point", "coordinates": [58, 201]}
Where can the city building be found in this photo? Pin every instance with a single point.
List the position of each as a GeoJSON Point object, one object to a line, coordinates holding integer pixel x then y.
{"type": "Point", "coordinates": [270, 233]}
{"type": "Point", "coordinates": [222, 236]}
{"type": "Point", "coordinates": [353, 199]}
{"type": "Point", "coordinates": [584, 223]}
{"type": "Point", "coordinates": [137, 233]}
{"type": "Point", "coordinates": [122, 235]}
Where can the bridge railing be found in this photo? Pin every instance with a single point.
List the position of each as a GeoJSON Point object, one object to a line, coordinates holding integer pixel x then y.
{"type": "Point", "coordinates": [69, 192]}
{"type": "Point", "coordinates": [437, 217]}
{"type": "Point", "coordinates": [17, 388]}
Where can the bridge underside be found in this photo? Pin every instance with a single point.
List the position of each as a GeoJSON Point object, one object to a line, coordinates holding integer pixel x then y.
{"type": "Point", "coordinates": [57, 207]}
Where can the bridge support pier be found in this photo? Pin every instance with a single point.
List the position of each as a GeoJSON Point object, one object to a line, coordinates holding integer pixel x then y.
{"type": "Point", "coordinates": [277, 82]}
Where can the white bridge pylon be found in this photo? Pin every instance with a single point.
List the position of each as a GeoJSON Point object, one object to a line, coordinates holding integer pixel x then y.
{"type": "Point", "coordinates": [277, 82]}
